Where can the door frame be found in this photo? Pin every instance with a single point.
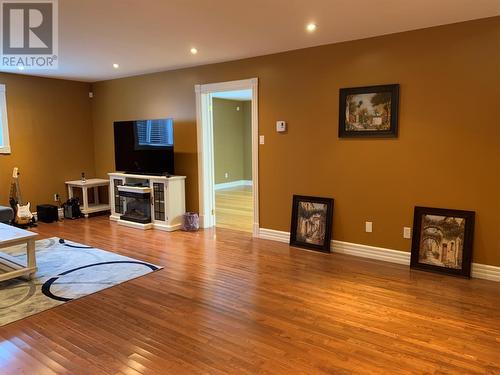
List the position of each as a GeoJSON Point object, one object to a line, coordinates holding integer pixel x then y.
{"type": "Point", "coordinates": [204, 133]}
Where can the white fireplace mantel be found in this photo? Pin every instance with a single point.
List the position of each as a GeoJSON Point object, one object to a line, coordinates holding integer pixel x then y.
{"type": "Point", "coordinates": [168, 202]}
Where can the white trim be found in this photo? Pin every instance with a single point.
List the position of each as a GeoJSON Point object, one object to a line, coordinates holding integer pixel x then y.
{"type": "Point", "coordinates": [204, 131]}
{"type": "Point", "coordinates": [255, 154]}
{"type": "Point", "coordinates": [484, 271]}
{"type": "Point", "coordinates": [274, 235]}
{"type": "Point", "coordinates": [4, 124]}
{"type": "Point", "coordinates": [479, 271]}
{"type": "Point", "coordinates": [166, 227]}
{"type": "Point", "coordinates": [232, 184]}
{"type": "Point", "coordinates": [204, 184]}
{"type": "Point", "coordinates": [242, 84]}
{"type": "Point", "coordinates": [372, 252]}
{"type": "Point", "coordinates": [132, 224]}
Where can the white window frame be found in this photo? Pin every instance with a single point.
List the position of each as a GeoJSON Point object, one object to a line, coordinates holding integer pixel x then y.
{"type": "Point", "coordinates": [4, 125]}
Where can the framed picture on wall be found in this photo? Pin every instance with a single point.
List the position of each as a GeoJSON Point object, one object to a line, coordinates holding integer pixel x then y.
{"type": "Point", "coordinates": [370, 111]}
{"type": "Point", "coordinates": [442, 240]}
{"type": "Point", "coordinates": [311, 226]}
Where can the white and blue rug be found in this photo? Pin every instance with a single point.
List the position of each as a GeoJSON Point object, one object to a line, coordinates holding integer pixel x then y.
{"type": "Point", "coordinates": [66, 271]}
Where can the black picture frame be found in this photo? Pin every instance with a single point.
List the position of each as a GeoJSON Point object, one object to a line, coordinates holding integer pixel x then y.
{"type": "Point", "coordinates": [298, 211]}
{"type": "Point", "coordinates": [392, 132]}
{"type": "Point", "coordinates": [436, 235]}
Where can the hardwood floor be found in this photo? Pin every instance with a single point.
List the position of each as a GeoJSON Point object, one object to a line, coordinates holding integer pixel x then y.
{"type": "Point", "coordinates": [234, 208]}
{"type": "Point", "coordinates": [225, 303]}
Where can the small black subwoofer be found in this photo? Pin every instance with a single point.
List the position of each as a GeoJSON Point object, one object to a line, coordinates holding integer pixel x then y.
{"type": "Point", "coordinates": [47, 213]}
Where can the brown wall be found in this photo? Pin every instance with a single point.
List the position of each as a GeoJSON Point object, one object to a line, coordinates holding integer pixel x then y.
{"type": "Point", "coordinates": [50, 136]}
{"type": "Point", "coordinates": [230, 136]}
{"type": "Point", "coordinates": [446, 155]}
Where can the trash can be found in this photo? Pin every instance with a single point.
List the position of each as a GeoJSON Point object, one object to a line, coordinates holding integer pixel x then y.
{"type": "Point", "coordinates": [190, 222]}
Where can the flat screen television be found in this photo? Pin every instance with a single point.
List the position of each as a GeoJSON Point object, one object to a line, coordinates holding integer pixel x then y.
{"type": "Point", "coordinates": [145, 146]}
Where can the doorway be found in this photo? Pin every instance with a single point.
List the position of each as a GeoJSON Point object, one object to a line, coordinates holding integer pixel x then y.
{"type": "Point", "coordinates": [227, 131]}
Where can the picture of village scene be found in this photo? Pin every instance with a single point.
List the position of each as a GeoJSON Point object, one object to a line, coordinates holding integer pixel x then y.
{"type": "Point", "coordinates": [311, 223]}
{"type": "Point", "coordinates": [368, 112]}
{"type": "Point", "coordinates": [442, 241]}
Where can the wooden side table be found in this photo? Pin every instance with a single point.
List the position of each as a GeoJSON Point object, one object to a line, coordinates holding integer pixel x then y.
{"type": "Point", "coordinates": [11, 236]}
{"type": "Point", "coordinates": [85, 185]}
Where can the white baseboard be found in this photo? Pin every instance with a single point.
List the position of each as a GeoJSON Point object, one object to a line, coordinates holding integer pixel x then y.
{"type": "Point", "coordinates": [274, 235]}
{"type": "Point", "coordinates": [484, 271]}
{"type": "Point", "coordinates": [372, 252]}
{"type": "Point", "coordinates": [227, 185]}
{"type": "Point", "coordinates": [479, 271]}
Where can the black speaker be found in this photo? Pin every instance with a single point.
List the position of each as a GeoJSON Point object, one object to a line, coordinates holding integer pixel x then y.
{"type": "Point", "coordinates": [47, 213]}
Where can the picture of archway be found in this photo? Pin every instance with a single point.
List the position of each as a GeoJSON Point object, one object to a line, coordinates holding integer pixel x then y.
{"type": "Point", "coordinates": [442, 240]}
{"type": "Point", "coordinates": [311, 222]}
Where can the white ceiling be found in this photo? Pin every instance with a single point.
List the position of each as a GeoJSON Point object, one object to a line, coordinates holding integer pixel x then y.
{"type": "Point", "coordinates": [154, 35]}
{"type": "Point", "coordinates": [234, 95]}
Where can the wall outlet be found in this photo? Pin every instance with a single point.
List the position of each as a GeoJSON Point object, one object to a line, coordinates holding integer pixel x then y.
{"type": "Point", "coordinates": [368, 227]}
{"type": "Point", "coordinates": [407, 232]}
{"type": "Point", "coordinates": [56, 197]}
{"type": "Point", "coordinates": [226, 175]}
{"type": "Point", "coordinates": [261, 139]}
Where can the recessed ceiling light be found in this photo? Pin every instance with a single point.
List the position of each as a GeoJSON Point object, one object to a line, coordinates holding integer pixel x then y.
{"type": "Point", "coordinates": [311, 27]}
{"type": "Point", "coordinates": [116, 66]}
{"type": "Point", "coordinates": [194, 51]}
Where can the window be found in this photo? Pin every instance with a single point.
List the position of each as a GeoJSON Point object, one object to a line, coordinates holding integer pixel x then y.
{"type": "Point", "coordinates": [4, 127]}
{"type": "Point", "coordinates": [155, 133]}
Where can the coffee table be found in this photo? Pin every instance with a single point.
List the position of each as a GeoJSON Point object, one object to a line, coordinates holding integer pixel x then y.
{"type": "Point", "coordinates": [11, 236]}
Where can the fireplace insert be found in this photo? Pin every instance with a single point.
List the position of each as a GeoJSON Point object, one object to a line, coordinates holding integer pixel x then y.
{"type": "Point", "coordinates": [137, 206]}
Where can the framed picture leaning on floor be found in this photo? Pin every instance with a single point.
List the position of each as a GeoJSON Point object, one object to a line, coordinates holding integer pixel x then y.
{"type": "Point", "coordinates": [442, 240]}
{"type": "Point", "coordinates": [311, 226]}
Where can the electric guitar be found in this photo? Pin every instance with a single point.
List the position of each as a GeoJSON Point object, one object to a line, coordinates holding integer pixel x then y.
{"type": "Point", "coordinates": [23, 215]}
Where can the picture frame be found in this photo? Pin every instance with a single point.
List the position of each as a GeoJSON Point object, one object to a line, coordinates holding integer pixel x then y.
{"type": "Point", "coordinates": [369, 112]}
{"type": "Point", "coordinates": [311, 225]}
{"type": "Point", "coordinates": [442, 240]}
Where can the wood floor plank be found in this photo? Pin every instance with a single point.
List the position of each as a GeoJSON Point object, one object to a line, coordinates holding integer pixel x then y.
{"type": "Point", "coordinates": [225, 303]}
{"type": "Point", "coordinates": [234, 208]}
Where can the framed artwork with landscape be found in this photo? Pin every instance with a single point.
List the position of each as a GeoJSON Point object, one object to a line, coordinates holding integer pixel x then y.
{"type": "Point", "coordinates": [311, 226]}
{"type": "Point", "coordinates": [370, 111]}
{"type": "Point", "coordinates": [442, 240]}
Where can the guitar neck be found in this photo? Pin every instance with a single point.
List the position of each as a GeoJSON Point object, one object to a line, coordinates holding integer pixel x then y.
{"type": "Point", "coordinates": [15, 190]}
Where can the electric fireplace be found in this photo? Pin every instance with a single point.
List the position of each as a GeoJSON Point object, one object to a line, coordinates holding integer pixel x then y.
{"type": "Point", "coordinates": [136, 204]}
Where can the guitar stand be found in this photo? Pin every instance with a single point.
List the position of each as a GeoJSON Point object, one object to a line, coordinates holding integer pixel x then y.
{"type": "Point", "coordinates": [31, 224]}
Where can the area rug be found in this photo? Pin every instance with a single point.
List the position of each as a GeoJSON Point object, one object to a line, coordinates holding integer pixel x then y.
{"type": "Point", "coordinates": [66, 271]}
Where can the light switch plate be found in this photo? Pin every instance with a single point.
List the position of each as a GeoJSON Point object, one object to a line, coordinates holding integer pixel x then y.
{"type": "Point", "coordinates": [368, 227]}
{"type": "Point", "coordinates": [407, 232]}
